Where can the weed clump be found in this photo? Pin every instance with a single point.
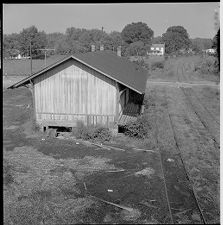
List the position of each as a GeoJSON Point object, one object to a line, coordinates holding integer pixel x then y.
{"type": "Point", "coordinates": [208, 65]}
{"type": "Point", "coordinates": [157, 65]}
{"type": "Point", "coordinates": [93, 133]}
{"type": "Point", "coordinates": [138, 128]}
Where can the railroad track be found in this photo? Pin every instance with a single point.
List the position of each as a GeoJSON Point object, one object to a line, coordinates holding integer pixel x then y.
{"type": "Point", "coordinates": [188, 95]}
{"type": "Point", "coordinates": [184, 167]}
{"type": "Point", "coordinates": [181, 77]}
{"type": "Point", "coordinates": [192, 92]}
{"type": "Point", "coordinates": [163, 175]}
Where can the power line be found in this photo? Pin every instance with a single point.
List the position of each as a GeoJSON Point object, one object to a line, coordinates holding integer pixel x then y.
{"type": "Point", "coordinates": [45, 51]}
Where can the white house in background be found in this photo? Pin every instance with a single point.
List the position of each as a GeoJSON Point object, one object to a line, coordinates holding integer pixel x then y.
{"type": "Point", "coordinates": [157, 49]}
{"type": "Point", "coordinates": [210, 50]}
{"type": "Point", "coordinates": [18, 56]}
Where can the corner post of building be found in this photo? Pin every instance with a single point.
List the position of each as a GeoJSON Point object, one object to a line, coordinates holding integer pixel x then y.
{"type": "Point", "coordinates": [115, 128]}
{"type": "Point", "coordinates": [33, 101]}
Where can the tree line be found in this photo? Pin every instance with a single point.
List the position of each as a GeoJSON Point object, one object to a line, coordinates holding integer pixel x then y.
{"type": "Point", "coordinates": [135, 39]}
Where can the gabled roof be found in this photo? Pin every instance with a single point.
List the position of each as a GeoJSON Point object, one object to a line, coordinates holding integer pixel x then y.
{"type": "Point", "coordinates": [107, 63]}
{"type": "Point", "coordinates": [158, 45]}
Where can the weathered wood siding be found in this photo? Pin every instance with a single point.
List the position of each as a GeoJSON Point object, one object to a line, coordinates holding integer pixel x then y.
{"type": "Point", "coordinates": [71, 92]}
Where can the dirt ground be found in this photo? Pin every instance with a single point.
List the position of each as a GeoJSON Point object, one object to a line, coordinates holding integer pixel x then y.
{"type": "Point", "coordinates": [67, 181]}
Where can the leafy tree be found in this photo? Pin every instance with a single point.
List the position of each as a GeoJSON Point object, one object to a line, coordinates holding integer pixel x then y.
{"type": "Point", "coordinates": [10, 45]}
{"type": "Point", "coordinates": [157, 40]}
{"type": "Point", "coordinates": [137, 48]}
{"type": "Point", "coordinates": [33, 36]}
{"type": "Point", "coordinates": [137, 32]}
{"type": "Point", "coordinates": [73, 34]}
{"type": "Point", "coordinates": [53, 38]}
{"type": "Point", "coordinates": [176, 38]}
{"type": "Point", "coordinates": [53, 42]}
{"type": "Point", "coordinates": [107, 41]}
{"type": "Point", "coordinates": [62, 47]}
{"type": "Point", "coordinates": [216, 45]}
{"type": "Point", "coordinates": [72, 43]}
{"type": "Point", "coordinates": [216, 42]}
{"type": "Point", "coordinates": [199, 44]}
{"type": "Point", "coordinates": [125, 49]}
{"type": "Point", "coordinates": [97, 36]}
{"type": "Point", "coordinates": [116, 39]}
{"type": "Point", "coordinates": [85, 41]}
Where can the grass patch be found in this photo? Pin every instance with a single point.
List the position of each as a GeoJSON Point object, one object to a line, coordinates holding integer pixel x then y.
{"type": "Point", "coordinates": [41, 189]}
{"type": "Point", "coordinates": [157, 65]}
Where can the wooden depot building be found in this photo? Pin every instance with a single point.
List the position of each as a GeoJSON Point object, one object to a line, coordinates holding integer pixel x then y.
{"type": "Point", "coordinates": [96, 88]}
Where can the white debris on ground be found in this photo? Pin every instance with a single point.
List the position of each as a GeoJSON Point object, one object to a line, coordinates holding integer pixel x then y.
{"type": "Point", "coordinates": [145, 172]}
{"type": "Point", "coordinates": [107, 218]}
{"type": "Point", "coordinates": [170, 160]}
{"type": "Point", "coordinates": [130, 216]}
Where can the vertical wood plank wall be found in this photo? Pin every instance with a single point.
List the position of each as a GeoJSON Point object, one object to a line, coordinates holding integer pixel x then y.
{"type": "Point", "coordinates": [71, 92]}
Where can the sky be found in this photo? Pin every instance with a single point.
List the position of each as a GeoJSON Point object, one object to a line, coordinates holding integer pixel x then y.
{"type": "Point", "coordinates": [196, 18]}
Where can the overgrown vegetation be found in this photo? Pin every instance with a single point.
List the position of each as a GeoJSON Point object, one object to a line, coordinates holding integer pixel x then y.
{"type": "Point", "coordinates": [39, 189]}
{"type": "Point", "coordinates": [93, 133]}
{"type": "Point", "coordinates": [138, 128]}
{"type": "Point", "coordinates": [216, 45]}
{"type": "Point", "coordinates": [208, 65]}
{"type": "Point", "coordinates": [157, 65]}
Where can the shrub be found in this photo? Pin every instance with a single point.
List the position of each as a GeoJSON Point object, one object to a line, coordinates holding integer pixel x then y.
{"type": "Point", "coordinates": [94, 133]}
{"type": "Point", "coordinates": [102, 134]}
{"type": "Point", "coordinates": [7, 173]}
{"type": "Point", "coordinates": [138, 128]}
{"type": "Point", "coordinates": [35, 127]}
{"type": "Point", "coordinates": [208, 65]}
{"type": "Point", "coordinates": [159, 65]}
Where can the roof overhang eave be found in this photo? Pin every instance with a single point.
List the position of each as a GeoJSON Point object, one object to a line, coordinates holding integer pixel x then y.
{"type": "Point", "coordinates": [24, 81]}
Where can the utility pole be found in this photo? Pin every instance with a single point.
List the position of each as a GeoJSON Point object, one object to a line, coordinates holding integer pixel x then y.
{"type": "Point", "coordinates": [45, 51]}
{"type": "Point", "coordinates": [30, 54]}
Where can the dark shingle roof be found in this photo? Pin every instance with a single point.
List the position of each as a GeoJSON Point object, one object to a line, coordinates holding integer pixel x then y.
{"type": "Point", "coordinates": [158, 45]}
{"type": "Point", "coordinates": [108, 63]}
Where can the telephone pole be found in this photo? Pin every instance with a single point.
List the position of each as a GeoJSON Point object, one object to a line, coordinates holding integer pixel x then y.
{"type": "Point", "coordinates": [30, 54]}
{"type": "Point", "coordinates": [45, 51]}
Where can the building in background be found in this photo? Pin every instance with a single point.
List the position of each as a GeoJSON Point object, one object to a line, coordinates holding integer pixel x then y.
{"type": "Point", "coordinates": [157, 49]}
{"type": "Point", "coordinates": [210, 51]}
